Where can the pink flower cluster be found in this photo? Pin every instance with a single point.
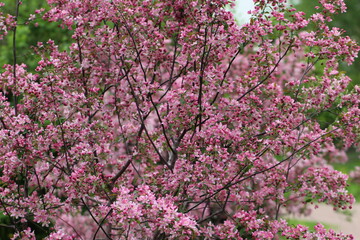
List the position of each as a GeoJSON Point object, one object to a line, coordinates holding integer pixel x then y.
{"type": "Point", "coordinates": [167, 120]}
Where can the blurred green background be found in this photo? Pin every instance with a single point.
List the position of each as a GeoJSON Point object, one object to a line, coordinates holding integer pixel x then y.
{"type": "Point", "coordinates": [28, 35]}
{"type": "Point", "coordinates": [348, 21]}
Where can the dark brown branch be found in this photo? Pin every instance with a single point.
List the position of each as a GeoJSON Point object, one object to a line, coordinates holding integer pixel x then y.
{"type": "Point", "coordinates": [93, 217]}
{"type": "Point", "coordinates": [201, 77]}
{"type": "Point", "coordinates": [227, 70]}
{"type": "Point", "coordinates": [162, 125]}
{"type": "Point", "coordinates": [101, 223]}
{"type": "Point", "coordinates": [8, 214]}
{"type": "Point", "coordinates": [145, 129]}
{"type": "Point", "coordinates": [268, 75]}
{"type": "Point", "coordinates": [15, 57]}
{"type": "Point", "coordinates": [230, 183]}
{"type": "Point", "coordinates": [71, 227]}
{"type": "Point", "coordinates": [122, 170]}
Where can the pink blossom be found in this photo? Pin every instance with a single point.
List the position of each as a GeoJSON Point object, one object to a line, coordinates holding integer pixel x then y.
{"type": "Point", "coordinates": [167, 120]}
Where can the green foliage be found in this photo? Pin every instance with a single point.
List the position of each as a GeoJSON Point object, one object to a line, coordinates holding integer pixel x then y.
{"type": "Point", "coordinates": [350, 23]}
{"type": "Point", "coordinates": [347, 168]}
{"type": "Point", "coordinates": [5, 232]}
{"type": "Point", "coordinates": [29, 34]}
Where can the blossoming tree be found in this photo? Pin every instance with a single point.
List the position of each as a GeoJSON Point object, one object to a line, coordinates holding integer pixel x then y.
{"type": "Point", "coordinates": [167, 120]}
